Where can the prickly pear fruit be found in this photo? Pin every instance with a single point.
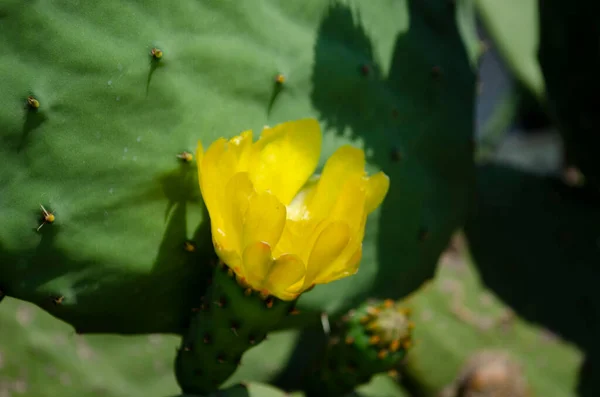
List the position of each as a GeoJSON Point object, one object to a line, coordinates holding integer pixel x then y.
{"type": "Point", "coordinates": [231, 320]}
{"type": "Point", "coordinates": [372, 339]}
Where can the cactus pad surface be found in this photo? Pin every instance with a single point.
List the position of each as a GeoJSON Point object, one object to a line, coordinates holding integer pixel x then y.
{"type": "Point", "coordinates": [105, 102]}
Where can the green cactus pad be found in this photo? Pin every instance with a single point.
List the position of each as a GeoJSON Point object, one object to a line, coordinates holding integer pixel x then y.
{"type": "Point", "coordinates": [369, 340]}
{"type": "Point", "coordinates": [231, 319]}
{"type": "Point", "coordinates": [40, 356]}
{"type": "Point", "coordinates": [457, 318]}
{"type": "Point", "coordinates": [101, 150]}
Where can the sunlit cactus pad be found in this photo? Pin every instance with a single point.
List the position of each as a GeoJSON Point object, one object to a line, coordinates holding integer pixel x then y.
{"type": "Point", "coordinates": [103, 103]}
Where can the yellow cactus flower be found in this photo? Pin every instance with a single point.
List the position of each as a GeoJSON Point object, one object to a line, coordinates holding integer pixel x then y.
{"type": "Point", "coordinates": [280, 230]}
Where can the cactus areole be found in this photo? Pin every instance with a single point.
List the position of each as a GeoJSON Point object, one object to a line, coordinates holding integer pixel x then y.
{"type": "Point", "coordinates": [277, 234]}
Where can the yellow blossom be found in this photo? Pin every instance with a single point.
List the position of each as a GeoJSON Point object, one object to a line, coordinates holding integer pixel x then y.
{"type": "Point", "coordinates": [280, 230]}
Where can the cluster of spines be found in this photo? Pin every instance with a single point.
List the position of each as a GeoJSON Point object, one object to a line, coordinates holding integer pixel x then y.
{"type": "Point", "coordinates": [369, 340]}
{"type": "Point", "coordinates": [388, 327]}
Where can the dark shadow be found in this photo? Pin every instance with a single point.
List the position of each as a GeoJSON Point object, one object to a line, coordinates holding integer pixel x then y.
{"type": "Point", "coordinates": [120, 300]}
{"type": "Point", "coordinates": [307, 354]}
{"type": "Point", "coordinates": [33, 119]}
{"type": "Point", "coordinates": [277, 88]}
{"type": "Point", "coordinates": [417, 125]}
{"type": "Point", "coordinates": [154, 64]}
{"type": "Point", "coordinates": [536, 243]}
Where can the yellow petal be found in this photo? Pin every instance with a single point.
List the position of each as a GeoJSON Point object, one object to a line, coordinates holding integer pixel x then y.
{"type": "Point", "coordinates": [231, 258]}
{"type": "Point", "coordinates": [346, 265]}
{"type": "Point", "coordinates": [241, 147]}
{"type": "Point", "coordinates": [284, 276]}
{"type": "Point", "coordinates": [199, 155]}
{"type": "Point", "coordinates": [238, 194]}
{"type": "Point", "coordinates": [377, 188]}
{"type": "Point", "coordinates": [264, 220]}
{"type": "Point", "coordinates": [350, 203]}
{"type": "Point", "coordinates": [330, 243]}
{"type": "Point", "coordinates": [345, 163]}
{"type": "Point", "coordinates": [256, 263]}
{"type": "Point", "coordinates": [285, 157]}
{"type": "Point", "coordinates": [212, 186]}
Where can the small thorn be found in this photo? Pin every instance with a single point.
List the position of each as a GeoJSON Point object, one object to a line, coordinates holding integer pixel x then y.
{"type": "Point", "coordinates": [234, 327]}
{"type": "Point", "coordinates": [189, 246]}
{"type": "Point", "coordinates": [58, 300]}
{"type": "Point", "coordinates": [294, 312]}
{"type": "Point", "coordinates": [349, 340]}
{"type": "Point", "coordinates": [206, 339]}
{"type": "Point", "coordinates": [372, 326]}
{"type": "Point", "coordinates": [365, 69]}
{"type": "Point", "coordinates": [373, 311]}
{"type": "Point", "coordinates": [230, 273]}
{"type": "Point", "coordinates": [242, 282]}
{"type": "Point", "coordinates": [33, 103]}
{"type": "Point", "coordinates": [47, 217]}
{"type": "Point", "coordinates": [325, 323]}
{"type": "Point", "coordinates": [382, 354]}
{"type": "Point", "coordinates": [269, 302]}
{"type": "Point", "coordinates": [221, 359]}
{"type": "Point", "coordinates": [280, 79]}
{"type": "Point", "coordinates": [221, 302]}
{"type": "Point", "coordinates": [263, 294]}
{"type": "Point", "coordinates": [375, 339]}
{"type": "Point", "coordinates": [248, 291]}
{"type": "Point", "coordinates": [156, 53]}
{"type": "Point", "coordinates": [252, 340]}
{"type": "Point", "coordinates": [436, 72]}
{"type": "Point", "coordinates": [187, 348]}
{"type": "Point", "coordinates": [186, 157]}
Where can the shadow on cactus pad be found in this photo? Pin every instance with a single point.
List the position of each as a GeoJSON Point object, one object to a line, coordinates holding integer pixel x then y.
{"type": "Point", "coordinates": [536, 243]}
{"type": "Point", "coordinates": [104, 160]}
{"type": "Point", "coordinates": [409, 102]}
